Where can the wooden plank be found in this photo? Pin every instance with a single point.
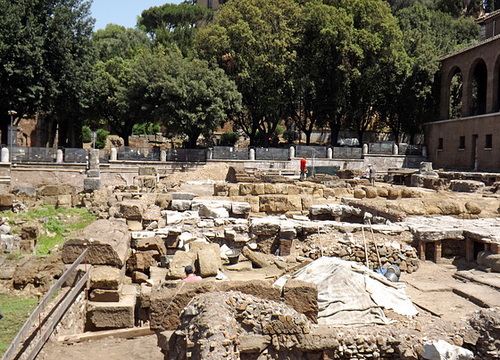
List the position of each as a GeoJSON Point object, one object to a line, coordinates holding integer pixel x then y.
{"type": "Point", "coordinates": [14, 345]}
{"type": "Point", "coordinates": [56, 317]}
{"type": "Point", "coordinates": [97, 335]}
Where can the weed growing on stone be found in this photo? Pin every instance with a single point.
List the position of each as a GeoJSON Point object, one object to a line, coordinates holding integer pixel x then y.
{"type": "Point", "coordinates": [56, 224]}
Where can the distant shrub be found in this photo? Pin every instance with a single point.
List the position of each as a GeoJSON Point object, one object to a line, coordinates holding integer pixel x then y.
{"type": "Point", "coordinates": [229, 138]}
{"type": "Point", "coordinates": [146, 129]}
{"type": "Point", "coordinates": [101, 136]}
{"type": "Point", "coordinates": [86, 134]}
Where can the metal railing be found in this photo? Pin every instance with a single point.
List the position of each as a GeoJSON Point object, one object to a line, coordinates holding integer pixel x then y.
{"type": "Point", "coordinates": [43, 333]}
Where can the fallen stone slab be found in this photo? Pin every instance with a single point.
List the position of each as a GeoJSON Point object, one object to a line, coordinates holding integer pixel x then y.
{"type": "Point", "coordinates": [106, 295]}
{"type": "Point", "coordinates": [389, 214]}
{"type": "Point", "coordinates": [265, 226]}
{"type": "Point", "coordinates": [209, 261]}
{"type": "Point", "coordinates": [240, 208]}
{"type": "Point", "coordinates": [302, 296]}
{"type": "Point", "coordinates": [257, 259]}
{"type": "Point", "coordinates": [132, 209]}
{"type": "Point", "coordinates": [113, 315]}
{"type": "Point", "coordinates": [108, 243]}
{"type": "Point", "coordinates": [180, 205]}
{"type": "Point", "coordinates": [440, 349]}
{"type": "Point", "coordinates": [481, 295]}
{"type": "Point", "coordinates": [155, 243]}
{"type": "Point", "coordinates": [179, 262]}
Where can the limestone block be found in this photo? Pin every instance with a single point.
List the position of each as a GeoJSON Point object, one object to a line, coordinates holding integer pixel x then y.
{"type": "Point", "coordinates": [221, 189]}
{"type": "Point", "coordinates": [132, 209]}
{"type": "Point", "coordinates": [450, 207]}
{"type": "Point", "coordinates": [328, 193]}
{"type": "Point", "coordinates": [382, 192]}
{"type": "Point", "coordinates": [213, 212]}
{"type": "Point", "coordinates": [64, 201]}
{"type": "Point", "coordinates": [489, 260]}
{"type": "Point", "coordinates": [473, 207]}
{"type": "Point", "coordinates": [27, 246]}
{"type": "Point", "coordinates": [151, 243]}
{"type": "Point", "coordinates": [302, 296]}
{"type": "Point", "coordinates": [258, 259]}
{"type": "Point", "coordinates": [371, 192]}
{"type": "Point", "coordinates": [320, 210]}
{"type": "Point", "coordinates": [163, 200]}
{"type": "Point", "coordinates": [180, 205]}
{"type": "Point", "coordinates": [240, 208]}
{"type": "Point", "coordinates": [105, 295]}
{"type": "Point", "coordinates": [152, 213]}
{"type": "Point", "coordinates": [197, 204]}
{"type": "Point", "coordinates": [106, 277]}
{"type": "Point", "coordinates": [394, 193]}
{"type": "Point", "coordinates": [279, 203]}
{"type": "Point", "coordinates": [108, 243]}
{"type": "Point", "coordinates": [440, 349]}
{"type": "Point", "coordinates": [113, 315]}
{"type": "Point", "coordinates": [142, 260]}
{"type": "Point", "coordinates": [134, 225]}
{"type": "Point", "coordinates": [246, 189]}
{"type": "Point", "coordinates": [253, 344]}
{"type": "Point", "coordinates": [288, 230]}
{"type": "Point", "coordinates": [50, 200]}
{"type": "Point", "coordinates": [466, 185]}
{"type": "Point", "coordinates": [182, 196]}
{"type": "Point", "coordinates": [292, 190]}
{"type": "Point", "coordinates": [234, 190]}
{"type": "Point", "coordinates": [258, 189]}
{"type": "Point", "coordinates": [269, 189]}
{"type": "Point", "coordinates": [56, 189]}
{"type": "Point", "coordinates": [281, 188]}
{"type": "Point", "coordinates": [359, 193]}
{"type": "Point", "coordinates": [6, 200]}
{"type": "Point", "coordinates": [138, 277]}
{"type": "Point", "coordinates": [179, 262]}
{"type": "Point", "coordinates": [306, 202]}
{"type": "Point", "coordinates": [265, 226]}
{"type": "Point", "coordinates": [209, 259]}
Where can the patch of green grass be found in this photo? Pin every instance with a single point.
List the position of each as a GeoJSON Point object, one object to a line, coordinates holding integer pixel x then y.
{"type": "Point", "coordinates": [57, 224]}
{"type": "Point", "coordinates": [15, 311]}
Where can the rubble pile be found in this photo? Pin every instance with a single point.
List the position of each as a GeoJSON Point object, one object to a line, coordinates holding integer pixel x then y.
{"type": "Point", "coordinates": [485, 337]}
{"type": "Point", "coordinates": [391, 253]}
{"type": "Point", "coordinates": [234, 325]}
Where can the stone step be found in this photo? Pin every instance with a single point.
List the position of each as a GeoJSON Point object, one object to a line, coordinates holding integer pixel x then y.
{"type": "Point", "coordinates": [114, 315]}
{"type": "Point", "coordinates": [481, 295]}
{"type": "Point", "coordinates": [480, 277]}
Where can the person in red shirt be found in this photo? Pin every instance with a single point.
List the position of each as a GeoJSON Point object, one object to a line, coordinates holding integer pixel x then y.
{"type": "Point", "coordinates": [303, 168]}
{"type": "Point", "coordinates": [190, 275]}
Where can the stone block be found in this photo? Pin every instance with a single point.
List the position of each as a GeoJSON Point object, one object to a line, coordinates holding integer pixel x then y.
{"type": "Point", "coordinates": [254, 203]}
{"type": "Point", "coordinates": [209, 260]}
{"type": "Point", "coordinates": [30, 232]}
{"type": "Point", "coordinates": [91, 184]}
{"type": "Point", "coordinates": [246, 189]}
{"type": "Point", "coordinates": [285, 247]}
{"type": "Point", "coordinates": [163, 201]}
{"type": "Point", "coordinates": [303, 297]}
{"type": "Point", "coordinates": [279, 203]}
{"type": "Point", "coordinates": [269, 188]}
{"type": "Point", "coordinates": [142, 260]}
{"type": "Point", "coordinates": [27, 246]}
{"type": "Point", "coordinates": [258, 189]}
{"type": "Point", "coordinates": [64, 201]}
{"type": "Point", "coordinates": [6, 200]}
{"type": "Point", "coordinates": [108, 243]}
{"type": "Point", "coordinates": [182, 196]}
{"type": "Point", "coordinates": [152, 213]}
{"type": "Point", "coordinates": [288, 230]}
{"type": "Point", "coordinates": [466, 185]}
{"type": "Point", "coordinates": [50, 200]}
{"type": "Point", "coordinates": [180, 205]}
{"type": "Point", "coordinates": [134, 225]}
{"type": "Point", "coordinates": [240, 208]}
{"type": "Point", "coordinates": [265, 226]}
{"type": "Point", "coordinates": [113, 315]}
{"type": "Point", "coordinates": [329, 193]}
{"type": "Point", "coordinates": [151, 243]}
{"type": "Point", "coordinates": [371, 192]}
{"type": "Point", "coordinates": [394, 193]}
{"type": "Point", "coordinates": [179, 262]}
{"type": "Point", "coordinates": [209, 212]}
{"type": "Point", "coordinates": [48, 190]}
{"type": "Point", "coordinates": [132, 210]}
{"type": "Point", "coordinates": [106, 277]}
{"type": "Point", "coordinates": [138, 277]}
{"type": "Point", "coordinates": [359, 193]}
{"type": "Point", "coordinates": [253, 344]}
{"type": "Point", "coordinates": [105, 295]}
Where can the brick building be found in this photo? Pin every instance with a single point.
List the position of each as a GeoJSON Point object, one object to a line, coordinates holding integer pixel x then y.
{"type": "Point", "coordinates": [467, 136]}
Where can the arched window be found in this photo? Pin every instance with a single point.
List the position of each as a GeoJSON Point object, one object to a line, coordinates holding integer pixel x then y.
{"type": "Point", "coordinates": [456, 89]}
{"type": "Point", "coordinates": [478, 91]}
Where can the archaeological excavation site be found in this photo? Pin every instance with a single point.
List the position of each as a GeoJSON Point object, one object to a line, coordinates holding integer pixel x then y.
{"type": "Point", "coordinates": [332, 267]}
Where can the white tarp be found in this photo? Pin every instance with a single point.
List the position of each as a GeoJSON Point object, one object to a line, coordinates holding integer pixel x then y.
{"type": "Point", "coordinates": [351, 294]}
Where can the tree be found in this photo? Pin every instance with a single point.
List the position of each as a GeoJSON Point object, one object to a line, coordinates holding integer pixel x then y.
{"type": "Point", "coordinates": [171, 24]}
{"type": "Point", "coordinates": [116, 40]}
{"type": "Point", "coordinates": [188, 96]}
{"type": "Point", "coordinates": [427, 35]}
{"type": "Point", "coordinates": [47, 61]}
{"type": "Point", "coordinates": [254, 41]}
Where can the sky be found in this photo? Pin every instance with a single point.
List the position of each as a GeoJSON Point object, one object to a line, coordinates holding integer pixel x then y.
{"type": "Point", "coordinates": [122, 12]}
